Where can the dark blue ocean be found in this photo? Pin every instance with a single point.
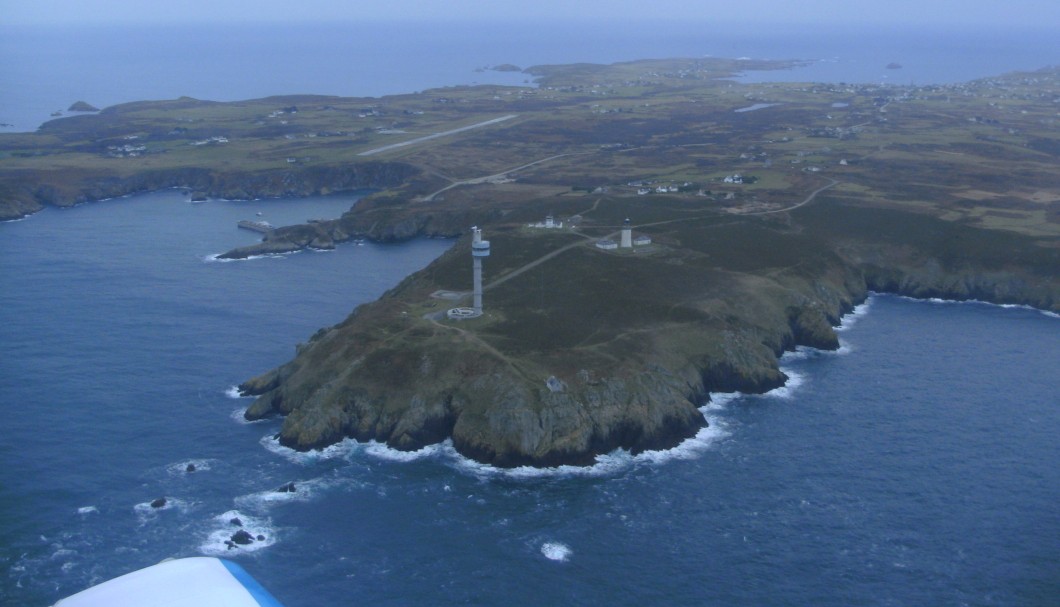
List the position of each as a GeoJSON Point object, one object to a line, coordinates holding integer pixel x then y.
{"type": "Point", "coordinates": [916, 466]}
{"type": "Point", "coordinates": [919, 465]}
{"type": "Point", "coordinates": [46, 69]}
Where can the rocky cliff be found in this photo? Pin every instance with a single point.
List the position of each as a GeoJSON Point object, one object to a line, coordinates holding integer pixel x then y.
{"type": "Point", "coordinates": [26, 196]}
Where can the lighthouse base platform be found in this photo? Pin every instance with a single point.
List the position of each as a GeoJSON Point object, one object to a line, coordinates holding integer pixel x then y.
{"type": "Point", "coordinates": [463, 313]}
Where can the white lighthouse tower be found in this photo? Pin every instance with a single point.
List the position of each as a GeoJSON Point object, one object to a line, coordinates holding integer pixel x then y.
{"type": "Point", "coordinates": [627, 235]}
{"type": "Point", "coordinates": [479, 250]}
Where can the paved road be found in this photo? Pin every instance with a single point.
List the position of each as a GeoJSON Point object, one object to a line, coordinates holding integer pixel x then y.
{"type": "Point", "coordinates": [493, 177]}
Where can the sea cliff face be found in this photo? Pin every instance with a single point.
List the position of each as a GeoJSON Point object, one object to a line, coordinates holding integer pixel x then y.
{"type": "Point", "coordinates": [31, 195]}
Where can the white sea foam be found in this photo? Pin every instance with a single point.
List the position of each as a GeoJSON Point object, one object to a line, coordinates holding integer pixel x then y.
{"type": "Point", "coordinates": [605, 465]}
{"type": "Point", "coordinates": [382, 451]}
{"type": "Point", "coordinates": [233, 392]}
{"type": "Point", "coordinates": [238, 416]}
{"type": "Point", "coordinates": [795, 379]}
{"type": "Point", "coordinates": [691, 448]}
{"type": "Point", "coordinates": [303, 492]}
{"type": "Point", "coordinates": [223, 528]}
{"type": "Point", "coordinates": [146, 513]}
{"type": "Point", "coordinates": [216, 257]}
{"type": "Point", "coordinates": [720, 400]}
{"type": "Point", "coordinates": [555, 551]}
{"type": "Point", "coordinates": [799, 353]}
{"type": "Point", "coordinates": [852, 317]}
{"type": "Point", "coordinates": [62, 553]}
{"type": "Point", "coordinates": [979, 302]}
{"type": "Point", "coordinates": [88, 510]}
{"type": "Point", "coordinates": [807, 352]}
{"type": "Point", "coordinates": [341, 449]}
{"type": "Point", "coordinates": [181, 468]}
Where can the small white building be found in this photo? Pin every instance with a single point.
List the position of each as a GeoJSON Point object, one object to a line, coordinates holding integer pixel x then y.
{"type": "Point", "coordinates": [549, 223]}
{"type": "Point", "coordinates": [606, 244]}
{"type": "Point", "coordinates": [641, 240]}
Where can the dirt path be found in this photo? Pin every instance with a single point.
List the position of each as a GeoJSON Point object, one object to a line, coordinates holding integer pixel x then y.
{"type": "Point", "coordinates": [536, 262]}
{"type": "Point", "coordinates": [808, 200]}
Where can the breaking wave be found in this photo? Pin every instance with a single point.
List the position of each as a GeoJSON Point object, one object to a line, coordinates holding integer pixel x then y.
{"type": "Point", "coordinates": [233, 392]}
{"type": "Point", "coordinates": [146, 512]}
{"type": "Point", "coordinates": [295, 491]}
{"type": "Point", "coordinates": [851, 318]}
{"type": "Point", "coordinates": [340, 449]}
{"type": "Point", "coordinates": [795, 380]}
{"type": "Point", "coordinates": [382, 451]}
{"type": "Point", "coordinates": [187, 467]}
{"type": "Point", "coordinates": [979, 302]}
{"type": "Point", "coordinates": [238, 416]}
{"type": "Point", "coordinates": [555, 551]}
{"type": "Point", "coordinates": [219, 542]}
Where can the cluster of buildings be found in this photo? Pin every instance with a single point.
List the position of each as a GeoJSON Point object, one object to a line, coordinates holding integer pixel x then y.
{"type": "Point", "coordinates": [626, 241]}
{"type": "Point", "coordinates": [218, 139]}
{"type": "Point", "coordinates": [480, 249]}
{"type": "Point", "coordinates": [549, 223]}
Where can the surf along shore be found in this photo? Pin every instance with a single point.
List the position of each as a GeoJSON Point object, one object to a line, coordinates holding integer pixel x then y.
{"type": "Point", "coordinates": [765, 227]}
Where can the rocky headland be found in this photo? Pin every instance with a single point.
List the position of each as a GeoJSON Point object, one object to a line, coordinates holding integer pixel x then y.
{"type": "Point", "coordinates": [623, 348]}
{"type": "Point", "coordinates": [765, 227]}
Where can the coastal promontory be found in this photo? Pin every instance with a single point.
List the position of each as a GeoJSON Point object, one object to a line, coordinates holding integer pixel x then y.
{"type": "Point", "coordinates": [659, 233]}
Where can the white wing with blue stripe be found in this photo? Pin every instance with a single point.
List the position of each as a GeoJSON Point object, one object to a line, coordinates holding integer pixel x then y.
{"type": "Point", "coordinates": [191, 582]}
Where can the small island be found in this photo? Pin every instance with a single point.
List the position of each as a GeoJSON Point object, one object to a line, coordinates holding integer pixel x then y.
{"type": "Point", "coordinates": [82, 106]}
{"type": "Point", "coordinates": [650, 244]}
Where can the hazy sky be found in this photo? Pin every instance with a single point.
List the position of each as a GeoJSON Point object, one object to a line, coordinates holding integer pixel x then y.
{"type": "Point", "coordinates": [1042, 13]}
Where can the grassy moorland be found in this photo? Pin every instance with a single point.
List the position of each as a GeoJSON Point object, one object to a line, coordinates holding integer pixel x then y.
{"type": "Point", "coordinates": [772, 209]}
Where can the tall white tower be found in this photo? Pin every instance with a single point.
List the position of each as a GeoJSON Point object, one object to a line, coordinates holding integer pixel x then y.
{"type": "Point", "coordinates": [479, 249]}
{"type": "Point", "coordinates": [627, 235]}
